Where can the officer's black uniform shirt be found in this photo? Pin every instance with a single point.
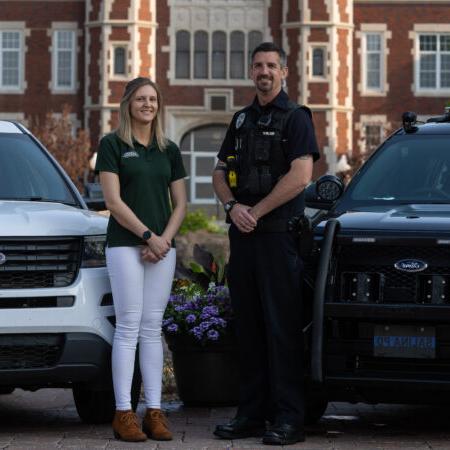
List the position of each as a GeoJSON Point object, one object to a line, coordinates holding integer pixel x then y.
{"type": "Point", "coordinates": [301, 140]}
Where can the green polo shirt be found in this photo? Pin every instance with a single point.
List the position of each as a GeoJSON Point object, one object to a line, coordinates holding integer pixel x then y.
{"type": "Point", "coordinates": [145, 174]}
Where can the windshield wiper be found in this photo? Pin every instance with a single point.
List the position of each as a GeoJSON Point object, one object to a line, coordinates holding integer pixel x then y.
{"type": "Point", "coordinates": [36, 198]}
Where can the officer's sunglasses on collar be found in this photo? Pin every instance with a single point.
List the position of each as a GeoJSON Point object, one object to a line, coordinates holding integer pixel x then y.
{"type": "Point", "coordinates": [264, 120]}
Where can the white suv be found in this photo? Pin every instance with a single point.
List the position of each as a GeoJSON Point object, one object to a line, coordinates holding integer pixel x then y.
{"type": "Point", "coordinates": [57, 317]}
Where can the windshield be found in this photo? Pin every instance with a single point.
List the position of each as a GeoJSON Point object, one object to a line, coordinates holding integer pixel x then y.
{"type": "Point", "coordinates": [27, 174]}
{"type": "Point", "coordinates": [407, 169]}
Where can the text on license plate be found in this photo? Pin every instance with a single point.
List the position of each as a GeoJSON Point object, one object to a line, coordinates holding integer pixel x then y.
{"type": "Point", "coordinates": [404, 341]}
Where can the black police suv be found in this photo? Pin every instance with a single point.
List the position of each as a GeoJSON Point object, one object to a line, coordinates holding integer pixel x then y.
{"type": "Point", "coordinates": [379, 273]}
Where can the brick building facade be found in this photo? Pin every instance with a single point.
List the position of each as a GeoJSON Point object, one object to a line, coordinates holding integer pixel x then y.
{"type": "Point", "coordinates": [358, 64]}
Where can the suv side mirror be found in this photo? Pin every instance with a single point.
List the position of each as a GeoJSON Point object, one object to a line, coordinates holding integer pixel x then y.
{"type": "Point", "coordinates": [94, 196]}
{"type": "Point", "coordinates": [323, 193]}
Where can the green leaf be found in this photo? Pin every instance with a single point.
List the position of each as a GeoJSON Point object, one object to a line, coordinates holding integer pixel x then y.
{"type": "Point", "coordinates": [197, 268]}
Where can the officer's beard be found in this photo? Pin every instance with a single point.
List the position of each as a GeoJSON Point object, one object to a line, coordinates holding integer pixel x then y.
{"type": "Point", "coordinates": [266, 85]}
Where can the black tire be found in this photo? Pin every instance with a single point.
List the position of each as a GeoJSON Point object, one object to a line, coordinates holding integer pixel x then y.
{"type": "Point", "coordinates": [96, 405]}
{"type": "Point", "coordinates": [5, 390]}
{"type": "Point", "coordinates": [316, 404]}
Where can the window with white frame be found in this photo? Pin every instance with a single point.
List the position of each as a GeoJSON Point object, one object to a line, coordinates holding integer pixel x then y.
{"type": "Point", "coordinates": [318, 62]}
{"type": "Point", "coordinates": [434, 61]}
{"type": "Point", "coordinates": [201, 54]}
{"type": "Point", "coordinates": [10, 59]}
{"type": "Point", "coordinates": [254, 39]}
{"type": "Point", "coordinates": [373, 136]}
{"type": "Point", "coordinates": [219, 55]}
{"type": "Point", "coordinates": [199, 148]}
{"type": "Point", "coordinates": [64, 59]}
{"type": "Point", "coordinates": [120, 60]}
{"type": "Point", "coordinates": [237, 54]}
{"type": "Point", "coordinates": [373, 62]}
{"type": "Point", "coordinates": [183, 54]}
{"type": "Point", "coordinates": [229, 54]}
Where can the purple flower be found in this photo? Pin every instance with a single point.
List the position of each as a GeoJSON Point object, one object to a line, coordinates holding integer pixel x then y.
{"type": "Point", "coordinates": [167, 321]}
{"type": "Point", "coordinates": [197, 332]}
{"type": "Point", "coordinates": [175, 298]}
{"type": "Point", "coordinates": [211, 310]}
{"type": "Point", "coordinates": [205, 325]}
{"type": "Point", "coordinates": [218, 321]}
{"type": "Point", "coordinates": [204, 316]}
{"type": "Point", "coordinates": [180, 308]}
{"type": "Point", "coordinates": [173, 328]}
{"type": "Point", "coordinates": [190, 318]}
{"type": "Point", "coordinates": [213, 335]}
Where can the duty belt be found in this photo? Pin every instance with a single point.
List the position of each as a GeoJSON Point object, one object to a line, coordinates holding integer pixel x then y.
{"type": "Point", "coordinates": [279, 225]}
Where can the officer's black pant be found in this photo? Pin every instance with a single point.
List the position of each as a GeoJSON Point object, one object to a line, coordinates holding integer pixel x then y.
{"type": "Point", "coordinates": [265, 279]}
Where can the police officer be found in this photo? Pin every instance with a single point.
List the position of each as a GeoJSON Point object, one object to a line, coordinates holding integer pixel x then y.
{"type": "Point", "coordinates": [265, 162]}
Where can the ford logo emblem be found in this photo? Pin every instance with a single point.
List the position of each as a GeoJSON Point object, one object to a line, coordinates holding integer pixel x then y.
{"type": "Point", "coordinates": [2, 258]}
{"type": "Point", "coordinates": [411, 265]}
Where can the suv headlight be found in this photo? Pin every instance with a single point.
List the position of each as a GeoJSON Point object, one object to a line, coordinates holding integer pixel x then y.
{"type": "Point", "coordinates": [94, 251]}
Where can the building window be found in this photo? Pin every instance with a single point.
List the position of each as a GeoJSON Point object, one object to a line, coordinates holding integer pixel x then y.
{"type": "Point", "coordinates": [201, 54]}
{"type": "Point", "coordinates": [218, 103]}
{"type": "Point", "coordinates": [220, 49]}
{"type": "Point", "coordinates": [373, 135]}
{"type": "Point", "coordinates": [237, 54]}
{"type": "Point", "coordinates": [254, 39]}
{"type": "Point", "coordinates": [434, 61]}
{"type": "Point", "coordinates": [10, 59]}
{"type": "Point", "coordinates": [183, 55]}
{"type": "Point", "coordinates": [373, 62]}
{"type": "Point", "coordinates": [318, 62]}
{"type": "Point", "coordinates": [64, 59]}
{"type": "Point", "coordinates": [219, 55]}
{"type": "Point", "coordinates": [120, 60]}
{"type": "Point", "coordinates": [198, 149]}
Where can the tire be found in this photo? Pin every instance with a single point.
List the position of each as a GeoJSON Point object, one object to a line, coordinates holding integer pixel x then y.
{"type": "Point", "coordinates": [316, 404]}
{"type": "Point", "coordinates": [5, 390]}
{"type": "Point", "coordinates": [96, 405]}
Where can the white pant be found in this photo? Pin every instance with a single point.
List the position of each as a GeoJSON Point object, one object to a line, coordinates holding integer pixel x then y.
{"type": "Point", "coordinates": [140, 291]}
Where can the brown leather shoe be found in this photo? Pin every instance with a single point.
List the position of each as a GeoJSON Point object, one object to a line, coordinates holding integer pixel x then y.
{"type": "Point", "coordinates": [126, 427]}
{"type": "Point", "coordinates": [155, 425]}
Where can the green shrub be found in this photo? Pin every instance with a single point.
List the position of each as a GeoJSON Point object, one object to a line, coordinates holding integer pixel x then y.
{"type": "Point", "coordinates": [198, 220]}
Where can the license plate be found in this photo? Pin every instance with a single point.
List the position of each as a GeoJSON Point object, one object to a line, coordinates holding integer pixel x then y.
{"type": "Point", "coordinates": [404, 341]}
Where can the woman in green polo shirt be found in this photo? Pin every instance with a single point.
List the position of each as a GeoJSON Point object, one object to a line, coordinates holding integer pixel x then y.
{"type": "Point", "coordinates": [141, 173]}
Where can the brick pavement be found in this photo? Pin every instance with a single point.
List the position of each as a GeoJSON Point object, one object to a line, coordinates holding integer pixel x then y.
{"type": "Point", "coordinates": [47, 419]}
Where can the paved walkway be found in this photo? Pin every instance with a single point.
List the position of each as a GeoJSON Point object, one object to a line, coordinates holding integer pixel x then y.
{"type": "Point", "coordinates": [47, 419]}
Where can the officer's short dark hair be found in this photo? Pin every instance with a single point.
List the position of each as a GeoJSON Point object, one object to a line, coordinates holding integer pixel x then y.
{"type": "Point", "coordinates": [271, 47]}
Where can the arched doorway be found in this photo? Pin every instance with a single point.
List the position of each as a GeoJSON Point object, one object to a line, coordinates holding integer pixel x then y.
{"type": "Point", "coordinates": [199, 148]}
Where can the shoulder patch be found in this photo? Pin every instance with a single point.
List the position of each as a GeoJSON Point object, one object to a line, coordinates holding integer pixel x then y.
{"type": "Point", "coordinates": [240, 120]}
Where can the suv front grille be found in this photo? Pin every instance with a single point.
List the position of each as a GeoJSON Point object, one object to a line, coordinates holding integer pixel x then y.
{"type": "Point", "coordinates": [30, 351]}
{"type": "Point", "coordinates": [39, 263]}
{"type": "Point", "coordinates": [366, 273]}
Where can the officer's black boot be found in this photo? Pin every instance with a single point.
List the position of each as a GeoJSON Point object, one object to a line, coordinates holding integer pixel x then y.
{"type": "Point", "coordinates": [283, 434]}
{"type": "Point", "coordinates": [239, 428]}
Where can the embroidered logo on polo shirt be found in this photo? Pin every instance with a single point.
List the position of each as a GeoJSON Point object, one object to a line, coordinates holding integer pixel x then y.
{"type": "Point", "coordinates": [131, 154]}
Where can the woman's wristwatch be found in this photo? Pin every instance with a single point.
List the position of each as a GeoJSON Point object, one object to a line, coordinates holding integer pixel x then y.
{"type": "Point", "coordinates": [146, 235]}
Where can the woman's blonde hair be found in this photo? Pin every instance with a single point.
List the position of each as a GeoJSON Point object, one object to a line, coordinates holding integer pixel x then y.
{"type": "Point", "coordinates": [124, 131]}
